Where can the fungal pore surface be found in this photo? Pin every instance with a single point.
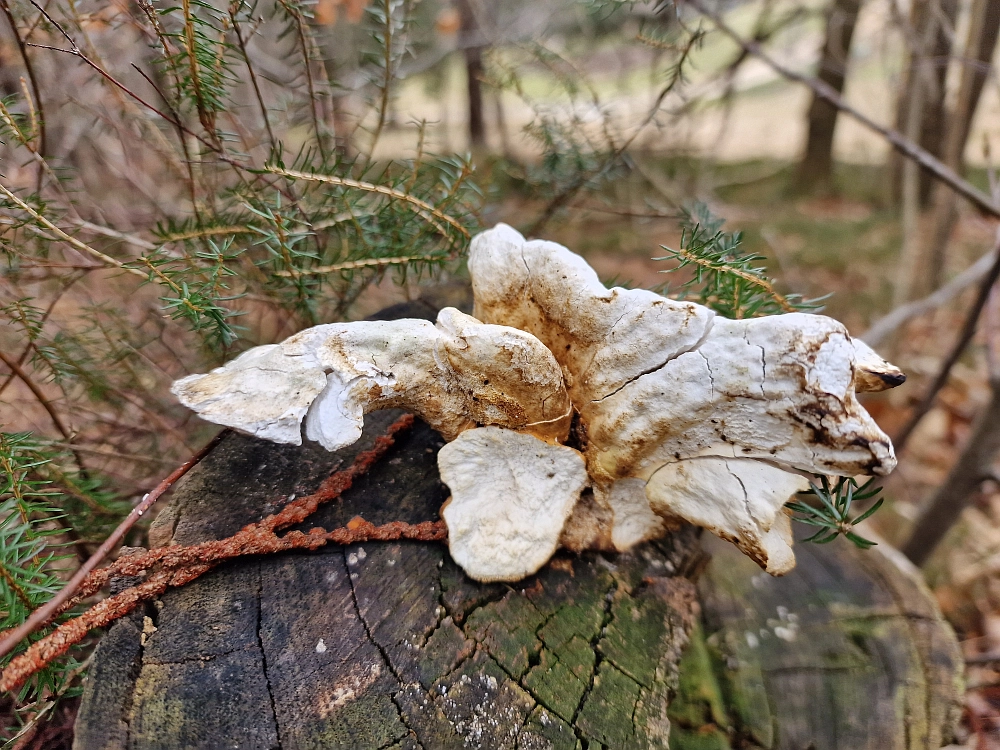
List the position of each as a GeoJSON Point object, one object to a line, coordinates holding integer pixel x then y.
{"type": "Point", "coordinates": [678, 414]}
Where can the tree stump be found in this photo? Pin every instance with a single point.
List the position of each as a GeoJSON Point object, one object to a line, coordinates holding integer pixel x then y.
{"type": "Point", "coordinates": [385, 645]}
{"type": "Point", "coordinates": [390, 645]}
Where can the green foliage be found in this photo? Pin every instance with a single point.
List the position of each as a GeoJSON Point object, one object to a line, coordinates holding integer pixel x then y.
{"type": "Point", "coordinates": [832, 513]}
{"type": "Point", "coordinates": [32, 544]}
{"type": "Point", "coordinates": [197, 288]}
{"type": "Point", "coordinates": [201, 66]}
{"type": "Point", "coordinates": [723, 277]}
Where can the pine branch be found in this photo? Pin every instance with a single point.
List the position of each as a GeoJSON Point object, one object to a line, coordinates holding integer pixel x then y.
{"type": "Point", "coordinates": [725, 278]}
{"type": "Point", "coordinates": [30, 545]}
{"type": "Point", "coordinates": [424, 209]}
{"type": "Point", "coordinates": [832, 515]}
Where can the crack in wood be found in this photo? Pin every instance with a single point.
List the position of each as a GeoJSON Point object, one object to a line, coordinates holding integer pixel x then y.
{"type": "Point", "coordinates": [609, 597]}
{"type": "Point", "coordinates": [382, 652]}
{"type": "Point", "coordinates": [263, 657]}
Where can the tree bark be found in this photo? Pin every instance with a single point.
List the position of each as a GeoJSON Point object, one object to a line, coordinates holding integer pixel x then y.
{"type": "Point", "coordinates": [932, 25]}
{"type": "Point", "coordinates": [847, 652]}
{"type": "Point", "coordinates": [983, 57]}
{"type": "Point", "coordinates": [469, 33]}
{"type": "Point", "coordinates": [386, 644]}
{"type": "Point", "coordinates": [815, 172]}
{"type": "Point", "coordinates": [979, 47]}
{"type": "Point", "coordinates": [956, 492]}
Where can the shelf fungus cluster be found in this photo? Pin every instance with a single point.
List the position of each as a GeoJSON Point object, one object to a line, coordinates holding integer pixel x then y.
{"type": "Point", "coordinates": [578, 415]}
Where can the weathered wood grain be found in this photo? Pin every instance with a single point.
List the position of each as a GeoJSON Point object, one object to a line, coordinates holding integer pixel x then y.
{"type": "Point", "coordinates": [847, 652]}
{"type": "Point", "coordinates": [384, 645]}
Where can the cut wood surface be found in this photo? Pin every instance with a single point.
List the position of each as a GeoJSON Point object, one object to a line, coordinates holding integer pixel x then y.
{"type": "Point", "coordinates": [385, 644]}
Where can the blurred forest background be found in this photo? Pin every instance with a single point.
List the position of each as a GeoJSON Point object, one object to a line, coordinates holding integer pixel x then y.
{"type": "Point", "coordinates": [179, 182]}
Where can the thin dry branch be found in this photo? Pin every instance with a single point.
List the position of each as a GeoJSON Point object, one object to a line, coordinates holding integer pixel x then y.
{"type": "Point", "coordinates": [105, 260]}
{"type": "Point", "coordinates": [40, 151]}
{"type": "Point", "coordinates": [885, 326]}
{"type": "Point", "coordinates": [965, 336]}
{"type": "Point", "coordinates": [565, 196]}
{"type": "Point", "coordinates": [57, 604]}
{"type": "Point", "coordinates": [826, 92]}
{"type": "Point", "coordinates": [253, 78]}
{"type": "Point", "coordinates": [179, 565]}
{"type": "Point", "coordinates": [307, 61]}
{"type": "Point", "coordinates": [39, 395]}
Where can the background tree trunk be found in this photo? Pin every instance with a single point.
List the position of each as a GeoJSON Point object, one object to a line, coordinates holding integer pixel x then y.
{"type": "Point", "coordinates": [930, 32]}
{"type": "Point", "coordinates": [816, 168]}
{"type": "Point", "coordinates": [984, 28]}
{"type": "Point", "coordinates": [473, 51]}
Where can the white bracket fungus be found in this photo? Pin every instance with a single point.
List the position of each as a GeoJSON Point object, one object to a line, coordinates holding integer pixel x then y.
{"type": "Point", "coordinates": [510, 497]}
{"type": "Point", "coordinates": [454, 375]}
{"type": "Point", "coordinates": [682, 415]}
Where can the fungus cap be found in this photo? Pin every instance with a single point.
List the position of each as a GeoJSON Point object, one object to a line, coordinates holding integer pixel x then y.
{"type": "Point", "coordinates": [681, 414]}
{"type": "Point", "coordinates": [717, 419]}
{"type": "Point", "coordinates": [511, 494]}
{"type": "Point", "coordinates": [455, 375]}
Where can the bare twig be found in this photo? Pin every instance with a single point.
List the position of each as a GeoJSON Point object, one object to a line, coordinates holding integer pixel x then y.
{"type": "Point", "coordinates": [564, 197]}
{"type": "Point", "coordinates": [965, 336]}
{"type": "Point", "coordinates": [900, 142]}
{"type": "Point", "coordinates": [300, 30]}
{"type": "Point", "coordinates": [180, 565]}
{"type": "Point", "coordinates": [5, 5]}
{"type": "Point", "coordinates": [887, 325]}
{"type": "Point", "coordinates": [42, 399]}
{"type": "Point", "coordinates": [106, 260]}
{"type": "Point", "coordinates": [974, 465]}
{"type": "Point", "coordinates": [75, 51]}
{"type": "Point", "coordinates": [253, 78]}
{"type": "Point", "coordinates": [51, 608]}
{"type": "Point", "coordinates": [45, 316]}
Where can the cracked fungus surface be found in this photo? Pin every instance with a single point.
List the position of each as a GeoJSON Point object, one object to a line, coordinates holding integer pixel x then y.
{"type": "Point", "coordinates": [678, 414]}
{"type": "Point", "coordinates": [722, 419]}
